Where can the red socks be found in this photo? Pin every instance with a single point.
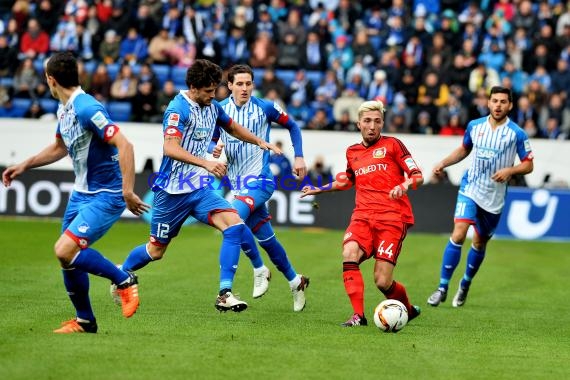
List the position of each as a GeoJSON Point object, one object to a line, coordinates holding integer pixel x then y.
{"type": "Point", "coordinates": [354, 286]}
{"type": "Point", "coordinates": [398, 292]}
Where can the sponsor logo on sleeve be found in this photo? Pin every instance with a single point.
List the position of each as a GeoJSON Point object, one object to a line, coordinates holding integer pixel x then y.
{"type": "Point", "coordinates": [278, 108]}
{"type": "Point", "coordinates": [173, 120]}
{"type": "Point", "coordinates": [111, 131]}
{"type": "Point", "coordinates": [99, 120]}
{"type": "Point", "coordinates": [411, 163]}
{"type": "Point", "coordinates": [527, 147]}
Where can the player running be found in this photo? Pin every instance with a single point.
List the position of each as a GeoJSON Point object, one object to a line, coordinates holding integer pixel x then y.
{"type": "Point", "coordinates": [383, 171]}
{"type": "Point", "coordinates": [246, 161]}
{"type": "Point", "coordinates": [496, 140]}
{"type": "Point", "coordinates": [182, 185]}
{"type": "Point", "coordinates": [103, 162]}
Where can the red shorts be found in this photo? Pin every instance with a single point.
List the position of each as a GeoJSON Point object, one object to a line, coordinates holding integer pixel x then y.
{"type": "Point", "coordinates": [381, 240]}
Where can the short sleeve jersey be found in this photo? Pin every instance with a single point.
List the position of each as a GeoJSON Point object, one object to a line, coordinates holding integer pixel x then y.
{"type": "Point", "coordinates": [85, 128]}
{"type": "Point", "coordinates": [195, 126]}
{"type": "Point", "coordinates": [375, 170]}
{"type": "Point", "coordinates": [256, 115]}
{"type": "Point", "coordinates": [492, 150]}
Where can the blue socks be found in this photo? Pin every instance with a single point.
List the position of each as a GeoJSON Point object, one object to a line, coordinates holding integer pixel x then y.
{"type": "Point", "coordinates": [251, 251]}
{"type": "Point", "coordinates": [279, 257]}
{"type": "Point", "coordinates": [91, 261]}
{"type": "Point", "coordinates": [137, 259]}
{"type": "Point", "coordinates": [76, 283]}
{"type": "Point", "coordinates": [230, 251]}
{"type": "Point", "coordinates": [451, 257]}
{"type": "Point", "coordinates": [474, 260]}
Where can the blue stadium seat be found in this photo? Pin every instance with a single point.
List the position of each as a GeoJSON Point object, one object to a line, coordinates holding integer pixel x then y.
{"type": "Point", "coordinates": [315, 77]}
{"type": "Point", "coordinates": [113, 70]}
{"type": "Point", "coordinates": [90, 66]}
{"type": "Point", "coordinates": [49, 105]}
{"type": "Point", "coordinates": [6, 82]}
{"type": "Point", "coordinates": [287, 76]}
{"type": "Point", "coordinates": [162, 73]}
{"type": "Point", "coordinates": [39, 66]}
{"type": "Point", "coordinates": [178, 76]}
{"type": "Point", "coordinates": [136, 69]}
{"type": "Point", "coordinates": [258, 76]}
{"type": "Point", "coordinates": [21, 105]}
{"type": "Point", "coordinates": [119, 111]}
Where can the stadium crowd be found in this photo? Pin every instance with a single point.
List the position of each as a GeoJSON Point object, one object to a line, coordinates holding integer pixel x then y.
{"type": "Point", "coordinates": [431, 61]}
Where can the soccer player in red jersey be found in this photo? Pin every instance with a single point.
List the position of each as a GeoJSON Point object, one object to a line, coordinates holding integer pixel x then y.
{"type": "Point", "coordinates": [383, 171]}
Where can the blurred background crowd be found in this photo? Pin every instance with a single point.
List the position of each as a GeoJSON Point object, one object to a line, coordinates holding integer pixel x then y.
{"type": "Point", "coordinates": [430, 61]}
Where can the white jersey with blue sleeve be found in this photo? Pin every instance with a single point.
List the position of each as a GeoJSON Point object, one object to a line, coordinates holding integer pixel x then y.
{"type": "Point", "coordinates": [195, 126]}
{"type": "Point", "coordinates": [492, 150]}
{"type": "Point", "coordinates": [248, 160]}
{"type": "Point", "coordinates": [85, 128]}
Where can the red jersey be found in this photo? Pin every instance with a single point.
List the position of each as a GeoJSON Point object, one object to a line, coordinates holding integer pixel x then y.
{"type": "Point", "coordinates": [375, 170]}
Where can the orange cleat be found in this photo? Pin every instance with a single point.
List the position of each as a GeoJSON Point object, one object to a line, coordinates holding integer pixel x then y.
{"type": "Point", "coordinates": [73, 326]}
{"type": "Point", "coordinates": [129, 294]}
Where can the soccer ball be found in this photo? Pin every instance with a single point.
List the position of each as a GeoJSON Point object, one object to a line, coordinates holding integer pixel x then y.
{"type": "Point", "coordinates": [390, 316]}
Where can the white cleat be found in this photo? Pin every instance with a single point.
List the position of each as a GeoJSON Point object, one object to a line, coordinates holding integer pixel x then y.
{"type": "Point", "coordinates": [228, 301]}
{"type": "Point", "coordinates": [439, 296]}
{"type": "Point", "coordinates": [261, 278]}
{"type": "Point", "coordinates": [460, 297]}
{"type": "Point", "coordinates": [299, 300]}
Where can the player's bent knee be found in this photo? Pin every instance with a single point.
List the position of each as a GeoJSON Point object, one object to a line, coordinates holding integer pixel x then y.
{"type": "Point", "coordinates": [65, 250]}
{"type": "Point", "coordinates": [351, 252]}
{"type": "Point", "coordinates": [223, 220]}
{"type": "Point", "coordinates": [156, 251]}
{"type": "Point", "coordinates": [383, 283]}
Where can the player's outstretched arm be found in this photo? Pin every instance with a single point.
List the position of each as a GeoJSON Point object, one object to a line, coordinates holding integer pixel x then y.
{"type": "Point", "coordinates": [341, 183]}
{"type": "Point", "coordinates": [454, 157]}
{"type": "Point", "coordinates": [300, 167]}
{"type": "Point", "coordinates": [127, 165]}
{"type": "Point", "coordinates": [239, 132]}
{"type": "Point", "coordinates": [174, 150]}
{"type": "Point", "coordinates": [48, 155]}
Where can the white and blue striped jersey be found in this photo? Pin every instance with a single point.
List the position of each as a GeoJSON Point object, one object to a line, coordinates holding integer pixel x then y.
{"type": "Point", "coordinates": [85, 128]}
{"type": "Point", "coordinates": [195, 126]}
{"type": "Point", "coordinates": [492, 150]}
{"type": "Point", "coordinates": [248, 160]}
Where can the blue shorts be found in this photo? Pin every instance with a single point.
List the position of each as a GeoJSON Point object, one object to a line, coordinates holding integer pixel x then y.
{"type": "Point", "coordinates": [89, 216]}
{"type": "Point", "coordinates": [169, 211]}
{"type": "Point", "coordinates": [466, 210]}
{"type": "Point", "coordinates": [251, 205]}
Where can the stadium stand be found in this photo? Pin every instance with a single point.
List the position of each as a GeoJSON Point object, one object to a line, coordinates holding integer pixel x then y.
{"type": "Point", "coordinates": [397, 37]}
{"type": "Point", "coordinates": [119, 111]}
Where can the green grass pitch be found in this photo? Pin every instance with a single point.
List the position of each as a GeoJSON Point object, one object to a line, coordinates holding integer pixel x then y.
{"type": "Point", "coordinates": [515, 324]}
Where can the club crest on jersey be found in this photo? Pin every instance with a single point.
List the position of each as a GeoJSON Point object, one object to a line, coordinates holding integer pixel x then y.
{"type": "Point", "coordinates": [173, 120]}
{"type": "Point", "coordinates": [99, 120]}
{"type": "Point", "coordinates": [379, 153]}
